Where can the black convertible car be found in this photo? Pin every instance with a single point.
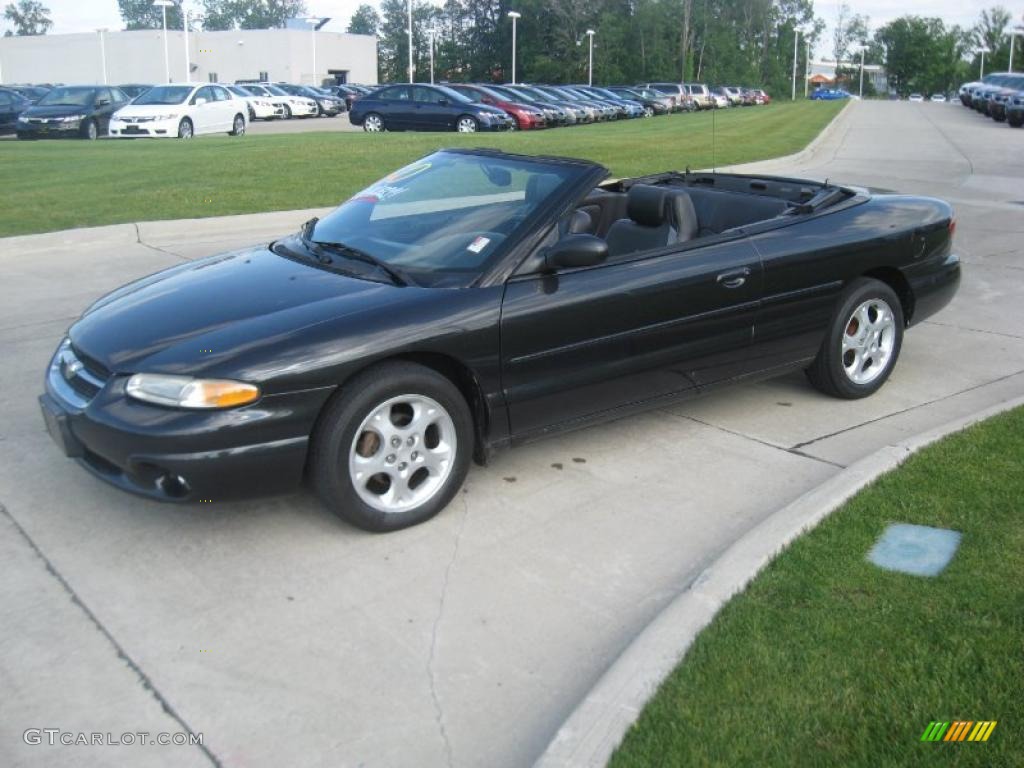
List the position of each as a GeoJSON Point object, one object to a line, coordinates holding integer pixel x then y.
{"type": "Point", "coordinates": [476, 299]}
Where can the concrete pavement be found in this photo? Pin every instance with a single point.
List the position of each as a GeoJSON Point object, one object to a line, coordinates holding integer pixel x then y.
{"type": "Point", "coordinates": [286, 638]}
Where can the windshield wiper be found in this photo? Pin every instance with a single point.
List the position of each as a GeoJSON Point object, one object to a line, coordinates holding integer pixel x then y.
{"type": "Point", "coordinates": [398, 276]}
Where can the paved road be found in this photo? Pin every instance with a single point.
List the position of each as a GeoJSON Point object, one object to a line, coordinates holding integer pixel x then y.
{"type": "Point", "coordinates": [287, 638]}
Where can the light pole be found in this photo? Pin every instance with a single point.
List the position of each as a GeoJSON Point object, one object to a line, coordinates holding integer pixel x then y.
{"type": "Point", "coordinates": [313, 21]}
{"type": "Point", "coordinates": [103, 52]}
{"type": "Point", "coordinates": [188, 54]}
{"type": "Point", "coordinates": [796, 49]}
{"type": "Point", "coordinates": [983, 50]}
{"type": "Point", "coordinates": [431, 34]}
{"type": "Point", "coordinates": [410, 41]}
{"type": "Point", "coordinates": [861, 48]}
{"type": "Point", "coordinates": [163, 5]}
{"type": "Point", "coordinates": [1014, 31]}
{"type": "Point", "coordinates": [514, 15]}
{"type": "Point", "coordinates": [807, 65]}
{"type": "Point", "coordinates": [590, 66]}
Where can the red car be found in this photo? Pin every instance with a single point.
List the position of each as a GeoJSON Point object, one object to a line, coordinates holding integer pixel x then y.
{"type": "Point", "coordinates": [527, 117]}
{"type": "Point", "coordinates": [761, 97]}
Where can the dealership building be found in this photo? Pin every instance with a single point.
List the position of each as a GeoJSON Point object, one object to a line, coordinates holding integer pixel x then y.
{"type": "Point", "coordinates": [289, 55]}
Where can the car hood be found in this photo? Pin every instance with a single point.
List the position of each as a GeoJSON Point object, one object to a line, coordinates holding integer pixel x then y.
{"type": "Point", "coordinates": [56, 111]}
{"type": "Point", "coordinates": [216, 308]}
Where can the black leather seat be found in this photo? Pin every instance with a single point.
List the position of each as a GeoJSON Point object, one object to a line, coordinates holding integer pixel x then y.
{"type": "Point", "coordinates": [658, 216]}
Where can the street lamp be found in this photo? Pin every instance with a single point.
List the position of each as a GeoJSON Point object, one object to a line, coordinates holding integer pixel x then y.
{"type": "Point", "coordinates": [430, 34]}
{"type": "Point", "coordinates": [590, 66]}
{"type": "Point", "coordinates": [1014, 31]}
{"type": "Point", "coordinates": [103, 52]}
{"type": "Point", "coordinates": [410, 41]}
{"type": "Point", "coordinates": [514, 15]}
{"type": "Point", "coordinates": [983, 50]}
{"type": "Point", "coordinates": [188, 54]}
{"type": "Point", "coordinates": [796, 51]}
{"type": "Point", "coordinates": [861, 48]}
{"type": "Point", "coordinates": [163, 5]}
{"type": "Point", "coordinates": [313, 21]}
{"type": "Point", "coordinates": [807, 65]}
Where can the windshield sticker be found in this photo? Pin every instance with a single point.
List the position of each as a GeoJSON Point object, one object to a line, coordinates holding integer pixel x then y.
{"type": "Point", "coordinates": [408, 172]}
{"type": "Point", "coordinates": [478, 244]}
{"type": "Point", "coordinates": [378, 193]}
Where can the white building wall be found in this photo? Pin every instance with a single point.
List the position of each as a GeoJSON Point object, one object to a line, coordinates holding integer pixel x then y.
{"type": "Point", "coordinates": [138, 57]}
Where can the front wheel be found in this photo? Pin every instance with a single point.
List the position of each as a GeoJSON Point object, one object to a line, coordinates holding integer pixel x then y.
{"type": "Point", "coordinates": [393, 447]}
{"type": "Point", "coordinates": [648, 111]}
{"type": "Point", "coordinates": [287, 112]}
{"type": "Point", "coordinates": [185, 130]}
{"type": "Point", "coordinates": [466, 124]}
{"type": "Point", "coordinates": [863, 342]}
{"type": "Point", "coordinates": [238, 127]}
{"type": "Point", "coordinates": [91, 130]}
{"type": "Point", "coordinates": [1015, 122]}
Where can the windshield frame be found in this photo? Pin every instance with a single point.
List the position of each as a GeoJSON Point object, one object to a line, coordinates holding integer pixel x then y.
{"type": "Point", "coordinates": [89, 104]}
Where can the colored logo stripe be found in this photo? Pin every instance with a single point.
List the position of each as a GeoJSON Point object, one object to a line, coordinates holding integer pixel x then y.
{"type": "Point", "coordinates": [959, 730]}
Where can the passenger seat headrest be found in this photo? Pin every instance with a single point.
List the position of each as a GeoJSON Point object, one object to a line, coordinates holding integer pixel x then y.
{"type": "Point", "coordinates": [580, 223]}
{"type": "Point", "coordinates": [646, 205]}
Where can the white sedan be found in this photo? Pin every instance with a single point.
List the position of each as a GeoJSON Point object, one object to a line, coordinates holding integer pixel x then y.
{"type": "Point", "coordinates": [293, 106]}
{"type": "Point", "coordinates": [938, 98]}
{"type": "Point", "coordinates": [260, 107]}
{"type": "Point", "coordinates": [181, 110]}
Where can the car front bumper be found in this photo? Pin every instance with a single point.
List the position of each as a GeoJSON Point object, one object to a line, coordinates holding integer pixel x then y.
{"type": "Point", "coordinates": [172, 454]}
{"type": "Point", "coordinates": [144, 128]}
{"type": "Point", "coordinates": [48, 127]}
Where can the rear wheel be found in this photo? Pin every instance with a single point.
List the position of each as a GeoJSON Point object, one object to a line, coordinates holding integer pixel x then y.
{"type": "Point", "coordinates": [373, 123]}
{"type": "Point", "coordinates": [185, 130]}
{"type": "Point", "coordinates": [648, 111]}
{"type": "Point", "coordinates": [863, 342]}
{"type": "Point", "coordinates": [466, 124]}
{"type": "Point", "coordinates": [393, 447]}
{"type": "Point", "coordinates": [1015, 121]}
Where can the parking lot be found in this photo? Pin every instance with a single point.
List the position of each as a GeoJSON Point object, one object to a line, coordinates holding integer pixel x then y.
{"type": "Point", "coordinates": [274, 630]}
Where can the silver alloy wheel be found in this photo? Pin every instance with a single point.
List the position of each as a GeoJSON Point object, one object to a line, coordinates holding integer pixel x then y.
{"type": "Point", "coordinates": [239, 125]}
{"type": "Point", "coordinates": [869, 337]}
{"type": "Point", "coordinates": [373, 124]}
{"type": "Point", "coordinates": [185, 129]}
{"type": "Point", "coordinates": [466, 125]}
{"type": "Point", "coordinates": [648, 111]}
{"type": "Point", "coordinates": [402, 453]}
{"type": "Point", "coordinates": [91, 131]}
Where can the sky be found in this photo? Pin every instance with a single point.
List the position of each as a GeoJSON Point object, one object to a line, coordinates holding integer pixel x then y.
{"type": "Point", "coordinates": [90, 15]}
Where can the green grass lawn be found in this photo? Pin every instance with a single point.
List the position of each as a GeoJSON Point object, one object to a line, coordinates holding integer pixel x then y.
{"type": "Point", "coordinates": [826, 660]}
{"type": "Point", "coordinates": [58, 184]}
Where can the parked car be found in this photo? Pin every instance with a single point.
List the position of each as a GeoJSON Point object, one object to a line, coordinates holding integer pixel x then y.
{"type": "Point", "coordinates": [915, 97]}
{"type": "Point", "coordinates": [32, 93]}
{"type": "Point", "coordinates": [761, 96]}
{"type": "Point", "coordinates": [181, 110]}
{"type": "Point", "coordinates": [700, 94]}
{"type": "Point", "coordinates": [346, 92]}
{"type": "Point", "coordinates": [422, 107]}
{"type": "Point", "coordinates": [12, 104]}
{"type": "Point", "coordinates": [720, 98]}
{"type": "Point", "coordinates": [475, 300]}
{"type": "Point", "coordinates": [660, 103]}
{"type": "Point", "coordinates": [734, 93]}
{"type": "Point", "coordinates": [678, 93]}
{"type": "Point", "coordinates": [260, 107]}
{"type": "Point", "coordinates": [527, 117]}
{"type": "Point", "coordinates": [291, 106]}
{"type": "Point", "coordinates": [80, 111]}
{"type": "Point", "coordinates": [134, 89]}
{"type": "Point", "coordinates": [938, 98]}
{"type": "Point", "coordinates": [829, 94]}
{"type": "Point", "coordinates": [632, 106]}
{"type": "Point", "coordinates": [653, 103]}
{"type": "Point", "coordinates": [555, 114]}
{"type": "Point", "coordinates": [1015, 110]}
{"type": "Point", "coordinates": [579, 112]}
{"type": "Point", "coordinates": [327, 105]}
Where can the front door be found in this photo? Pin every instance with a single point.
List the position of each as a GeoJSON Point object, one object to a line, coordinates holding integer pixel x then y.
{"type": "Point", "coordinates": [204, 111]}
{"type": "Point", "coordinates": [584, 341]}
{"type": "Point", "coordinates": [429, 113]}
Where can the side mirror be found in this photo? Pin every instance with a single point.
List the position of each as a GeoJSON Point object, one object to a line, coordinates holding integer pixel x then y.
{"type": "Point", "coordinates": [102, 102]}
{"type": "Point", "coordinates": [576, 251]}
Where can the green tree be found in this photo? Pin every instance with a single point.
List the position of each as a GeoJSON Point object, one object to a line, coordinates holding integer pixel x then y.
{"type": "Point", "coordinates": [142, 14]}
{"type": "Point", "coordinates": [990, 32]}
{"type": "Point", "coordinates": [923, 55]}
{"type": "Point", "coordinates": [29, 17]}
{"type": "Point", "coordinates": [250, 14]}
{"type": "Point", "coordinates": [365, 21]}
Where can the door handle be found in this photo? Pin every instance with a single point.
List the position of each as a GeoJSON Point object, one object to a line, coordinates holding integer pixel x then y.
{"type": "Point", "coordinates": [734, 278]}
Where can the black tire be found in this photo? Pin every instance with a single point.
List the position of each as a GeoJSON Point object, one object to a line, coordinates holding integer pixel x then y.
{"type": "Point", "coordinates": [828, 373]}
{"type": "Point", "coordinates": [185, 129]}
{"type": "Point", "coordinates": [287, 112]}
{"type": "Point", "coordinates": [252, 115]}
{"type": "Point", "coordinates": [237, 125]}
{"type": "Point", "coordinates": [90, 130]}
{"type": "Point", "coordinates": [1015, 122]}
{"type": "Point", "coordinates": [334, 438]}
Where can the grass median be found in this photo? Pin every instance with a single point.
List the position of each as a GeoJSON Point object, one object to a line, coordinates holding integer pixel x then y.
{"type": "Point", "coordinates": [826, 660]}
{"type": "Point", "coordinates": [60, 184]}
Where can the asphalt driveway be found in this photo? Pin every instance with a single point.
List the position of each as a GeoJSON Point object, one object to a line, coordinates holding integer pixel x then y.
{"type": "Point", "coordinates": [287, 638]}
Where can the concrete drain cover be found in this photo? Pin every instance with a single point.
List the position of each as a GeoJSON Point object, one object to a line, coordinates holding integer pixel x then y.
{"type": "Point", "coordinates": [915, 549]}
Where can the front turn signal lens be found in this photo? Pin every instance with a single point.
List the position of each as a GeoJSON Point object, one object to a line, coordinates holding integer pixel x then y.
{"type": "Point", "coordinates": [186, 392]}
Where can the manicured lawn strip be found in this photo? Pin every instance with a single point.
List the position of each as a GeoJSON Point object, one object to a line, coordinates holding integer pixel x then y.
{"type": "Point", "coordinates": [826, 660]}
{"type": "Point", "coordinates": [53, 185]}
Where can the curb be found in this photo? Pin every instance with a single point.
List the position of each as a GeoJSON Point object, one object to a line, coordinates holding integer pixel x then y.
{"type": "Point", "coordinates": [595, 728]}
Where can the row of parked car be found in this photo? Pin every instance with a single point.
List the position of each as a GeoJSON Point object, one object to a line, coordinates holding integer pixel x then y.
{"type": "Point", "coordinates": [176, 109]}
{"type": "Point", "coordinates": [1000, 95]}
{"type": "Point", "coordinates": [471, 107]}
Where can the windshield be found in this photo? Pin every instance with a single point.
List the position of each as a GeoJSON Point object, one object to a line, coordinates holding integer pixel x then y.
{"type": "Point", "coordinates": [240, 91]}
{"type": "Point", "coordinates": [276, 91]}
{"type": "Point", "coordinates": [69, 97]}
{"type": "Point", "coordinates": [444, 219]}
{"type": "Point", "coordinates": [165, 94]}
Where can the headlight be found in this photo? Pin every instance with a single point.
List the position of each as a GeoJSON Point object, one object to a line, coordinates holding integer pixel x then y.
{"type": "Point", "coordinates": [73, 119]}
{"type": "Point", "coordinates": [22, 119]}
{"type": "Point", "coordinates": [186, 392]}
